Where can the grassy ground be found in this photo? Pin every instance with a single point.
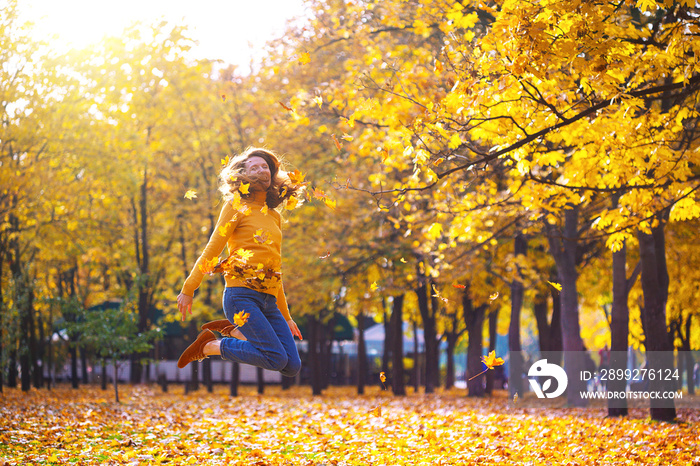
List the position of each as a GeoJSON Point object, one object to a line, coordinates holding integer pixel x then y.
{"type": "Point", "coordinates": [85, 426]}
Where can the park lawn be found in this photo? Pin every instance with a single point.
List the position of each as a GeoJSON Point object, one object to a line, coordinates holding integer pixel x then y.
{"type": "Point", "coordinates": [86, 427]}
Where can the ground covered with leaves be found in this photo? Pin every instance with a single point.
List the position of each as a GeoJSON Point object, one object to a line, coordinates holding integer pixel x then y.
{"type": "Point", "coordinates": [85, 426]}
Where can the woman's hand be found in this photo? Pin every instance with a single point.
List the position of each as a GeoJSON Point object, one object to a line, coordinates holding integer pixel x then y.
{"type": "Point", "coordinates": [184, 305]}
{"type": "Point", "coordinates": [295, 330]}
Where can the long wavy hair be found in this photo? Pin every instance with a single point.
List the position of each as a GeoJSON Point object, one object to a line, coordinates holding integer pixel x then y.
{"type": "Point", "coordinates": [233, 175]}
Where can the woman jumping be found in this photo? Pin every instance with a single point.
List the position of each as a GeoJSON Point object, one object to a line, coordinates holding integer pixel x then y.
{"type": "Point", "coordinates": [252, 185]}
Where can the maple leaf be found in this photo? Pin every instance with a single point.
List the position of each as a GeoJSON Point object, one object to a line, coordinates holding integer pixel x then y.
{"type": "Point", "coordinates": [244, 254]}
{"type": "Point", "coordinates": [225, 161]}
{"type": "Point", "coordinates": [244, 188]}
{"type": "Point", "coordinates": [296, 177]}
{"type": "Point", "coordinates": [382, 377]}
{"type": "Point", "coordinates": [318, 100]}
{"type": "Point", "coordinates": [262, 237]}
{"type": "Point", "coordinates": [493, 296]}
{"type": "Point", "coordinates": [491, 360]}
{"type": "Point", "coordinates": [223, 229]}
{"type": "Point", "coordinates": [292, 203]}
{"type": "Point", "coordinates": [556, 286]}
{"type": "Point", "coordinates": [373, 286]}
{"type": "Point", "coordinates": [209, 265]}
{"type": "Point", "coordinates": [190, 194]}
{"type": "Point", "coordinates": [240, 318]}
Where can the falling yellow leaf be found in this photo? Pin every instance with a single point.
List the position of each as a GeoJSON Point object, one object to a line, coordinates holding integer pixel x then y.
{"type": "Point", "coordinates": [264, 209]}
{"type": "Point", "coordinates": [296, 177]}
{"type": "Point", "coordinates": [318, 100]}
{"type": "Point", "coordinates": [491, 360]}
{"type": "Point", "coordinates": [329, 202]}
{"type": "Point", "coordinates": [241, 318]}
{"type": "Point", "coordinates": [402, 260]}
{"type": "Point", "coordinates": [338, 145]}
{"type": "Point", "coordinates": [373, 286]}
{"type": "Point", "coordinates": [191, 194]}
{"type": "Point", "coordinates": [556, 286]}
{"type": "Point", "coordinates": [225, 161]}
{"type": "Point", "coordinates": [382, 377]}
{"type": "Point", "coordinates": [244, 188]}
{"type": "Point", "coordinates": [347, 137]}
{"type": "Point", "coordinates": [291, 203]}
{"type": "Point", "coordinates": [493, 296]}
{"type": "Point", "coordinates": [304, 58]}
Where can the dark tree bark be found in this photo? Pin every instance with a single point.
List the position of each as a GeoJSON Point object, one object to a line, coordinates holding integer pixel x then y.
{"type": "Point", "coordinates": [563, 246]}
{"type": "Point", "coordinates": [261, 380]}
{"type": "Point", "coordinates": [517, 291]}
{"type": "Point", "coordinates": [315, 364]}
{"type": "Point", "coordinates": [493, 321]}
{"type": "Point", "coordinates": [658, 342]}
{"type": "Point", "coordinates": [474, 320]}
{"type": "Point", "coordinates": [386, 352]}
{"type": "Point", "coordinates": [362, 366]}
{"type": "Point", "coordinates": [452, 337]}
{"type": "Point", "coordinates": [235, 376]}
{"type": "Point", "coordinates": [398, 383]}
{"type": "Point", "coordinates": [428, 312]}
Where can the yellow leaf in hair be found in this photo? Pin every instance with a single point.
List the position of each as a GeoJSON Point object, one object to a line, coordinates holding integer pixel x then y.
{"type": "Point", "coordinates": [291, 203]}
{"type": "Point", "coordinates": [296, 177]}
{"type": "Point", "coordinates": [244, 188]}
{"type": "Point", "coordinates": [225, 161]}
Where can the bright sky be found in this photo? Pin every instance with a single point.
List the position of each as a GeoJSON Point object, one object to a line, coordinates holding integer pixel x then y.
{"type": "Point", "coordinates": [230, 30]}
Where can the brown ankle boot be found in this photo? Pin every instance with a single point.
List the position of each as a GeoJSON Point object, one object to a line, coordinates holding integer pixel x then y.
{"type": "Point", "coordinates": [225, 328]}
{"type": "Point", "coordinates": [195, 352]}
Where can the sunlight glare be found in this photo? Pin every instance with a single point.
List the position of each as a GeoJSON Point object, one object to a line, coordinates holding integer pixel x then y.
{"type": "Point", "coordinates": [231, 30]}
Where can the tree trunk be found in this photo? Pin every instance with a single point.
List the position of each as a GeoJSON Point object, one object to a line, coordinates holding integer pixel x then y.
{"type": "Point", "coordinates": [493, 320]}
{"type": "Point", "coordinates": [619, 331]}
{"type": "Point", "coordinates": [261, 380]}
{"type": "Point", "coordinates": [563, 247]}
{"type": "Point", "coordinates": [386, 350]}
{"type": "Point", "coordinates": [103, 382]}
{"type": "Point", "coordinates": [397, 369]}
{"type": "Point", "coordinates": [689, 361]}
{"type": "Point", "coordinates": [362, 365]}
{"type": "Point", "coordinates": [658, 343]}
{"type": "Point", "coordinates": [429, 336]}
{"type": "Point", "coordinates": [116, 381]}
{"type": "Point", "coordinates": [450, 375]}
{"type": "Point", "coordinates": [474, 320]}
{"type": "Point", "coordinates": [233, 384]}
{"type": "Point", "coordinates": [517, 291]}
{"type": "Point", "coordinates": [74, 363]}
{"type": "Point", "coordinates": [206, 375]}
{"type": "Point", "coordinates": [314, 359]}
{"type": "Point", "coordinates": [144, 282]}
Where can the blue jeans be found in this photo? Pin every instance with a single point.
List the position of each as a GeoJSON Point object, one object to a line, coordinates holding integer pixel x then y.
{"type": "Point", "coordinates": [270, 343]}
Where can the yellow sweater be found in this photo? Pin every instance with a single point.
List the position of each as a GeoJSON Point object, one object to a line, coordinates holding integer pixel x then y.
{"type": "Point", "coordinates": [254, 238]}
